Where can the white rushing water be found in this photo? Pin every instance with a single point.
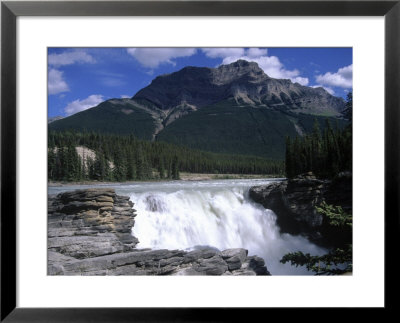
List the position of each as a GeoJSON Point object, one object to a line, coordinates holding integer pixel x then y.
{"type": "Point", "coordinates": [218, 213]}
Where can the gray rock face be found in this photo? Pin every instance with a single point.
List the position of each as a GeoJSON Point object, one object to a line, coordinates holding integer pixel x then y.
{"type": "Point", "coordinates": [234, 258]}
{"type": "Point", "coordinates": [89, 233]}
{"type": "Point", "coordinates": [196, 87]}
{"type": "Point", "coordinates": [90, 223]}
{"type": "Point", "coordinates": [294, 201]}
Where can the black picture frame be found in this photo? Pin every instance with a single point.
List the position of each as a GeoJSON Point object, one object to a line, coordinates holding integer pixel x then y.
{"type": "Point", "coordinates": [10, 10]}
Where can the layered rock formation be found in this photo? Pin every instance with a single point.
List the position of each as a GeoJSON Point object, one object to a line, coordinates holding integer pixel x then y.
{"type": "Point", "coordinates": [89, 233]}
{"type": "Point", "coordinates": [294, 202]}
{"type": "Point", "coordinates": [242, 80]}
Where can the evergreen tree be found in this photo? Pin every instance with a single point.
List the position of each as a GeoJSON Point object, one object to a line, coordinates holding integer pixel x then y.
{"type": "Point", "coordinates": [120, 167]}
{"type": "Point", "coordinates": [58, 170]}
{"type": "Point", "coordinates": [316, 147]}
{"type": "Point", "coordinates": [161, 168]}
{"type": "Point", "coordinates": [101, 166]}
{"type": "Point", "coordinates": [70, 163]}
{"type": "Point", "coordinates": [131, 166]}
{"type": "Point", "coordinates": [169, 169]}
{"type": "Point", "coordinates": [326, 155]}
{"type": "Point", "coordinates": [289, 167]}
{"type": "Point", "coordinates": [51, 164]}
{"type": "Point", "coordinates": [348, 111]}
{"type": "Point", "coordinates": [140, 164]}
{"type": "Point", "coordinates": [84, 174]}
{"type": "Point", "coordinates": [135, 160]}
{"type": "Point", "coordinates": [175, 168]}
{"type": "Point", "coordinates": [90, 168]}
{"type": "Point", "coordinates": [338, 260]}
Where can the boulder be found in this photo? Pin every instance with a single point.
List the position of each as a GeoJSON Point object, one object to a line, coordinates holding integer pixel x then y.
{"type": "Point", "coordinates": [257, 264]}
{"type": "Point", "coordinates": [212, 266]}
{"type": "Point", "coordinates": [234, 257]}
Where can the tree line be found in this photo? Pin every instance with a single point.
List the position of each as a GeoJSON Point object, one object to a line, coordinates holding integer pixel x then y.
{"type": "Point", "coordinates": [324, 153]}
{"type": "Point", "coordinates": [124, 157]}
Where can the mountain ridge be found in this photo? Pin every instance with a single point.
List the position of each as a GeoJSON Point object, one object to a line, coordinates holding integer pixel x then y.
{"type": "Point", "coordinates": [245, 81]}
{"type": "Point", "coordinates": [218, 103]}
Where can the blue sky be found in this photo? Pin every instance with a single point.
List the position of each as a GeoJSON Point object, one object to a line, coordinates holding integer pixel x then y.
{"type": "Point", "coordinates": [80, 78]}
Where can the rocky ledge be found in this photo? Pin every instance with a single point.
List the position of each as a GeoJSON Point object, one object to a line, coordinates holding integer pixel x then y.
{"type": "Point", "coordinates": [89, 233]}
{"type": "Point", "coordinates": [294, 202]}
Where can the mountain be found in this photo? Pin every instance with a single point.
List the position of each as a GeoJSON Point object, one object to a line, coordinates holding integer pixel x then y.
{"type": "Point", "coordinates": [235, 108]}
{"type": "Point", "coordinates": [245, 82]}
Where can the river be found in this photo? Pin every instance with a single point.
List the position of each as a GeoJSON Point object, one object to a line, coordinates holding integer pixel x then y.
{"type": "Point", "coordinates": [217, 213]}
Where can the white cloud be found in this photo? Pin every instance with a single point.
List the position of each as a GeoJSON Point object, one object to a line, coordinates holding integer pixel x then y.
{"type": "Point", "coordinates": [256, 52]}
{"type": "Point", "coordinates": [70, 57]}
{"type": "Point", "coordinates": [218, 52]}
{"type": "Point", "coordinates": [327, 89]}
{"type": "Point", "coordinates": [153, 57]}
{"type": "Point", "coordinates": [56, 83]}
{"type": "Point", "coordinates": [270, 64]}
{"type": "Point", "coordinates": [125, 96]}
{"type": "Point", "coordinates": [80, 105]}
{"type": "Point", "coordinates": [342, 78]}
{"type": "Point", "coordinates": [300, 80]}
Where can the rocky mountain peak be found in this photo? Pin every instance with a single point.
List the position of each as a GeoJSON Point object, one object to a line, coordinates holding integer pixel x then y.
{"type": "Point", "coordinates": [244, 82]}
{"type": "Point", "coordinates": [241, 70]}
{"type": "Point", "coordinates": [201, 86]}
{"type": "Point", "coordinates": [241, 65]}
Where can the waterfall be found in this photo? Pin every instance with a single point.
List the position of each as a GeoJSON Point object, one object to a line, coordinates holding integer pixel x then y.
{"type": "Point", "coordinates": [218, 213]}
{"type": "Point", "coordinates": [220, 216]}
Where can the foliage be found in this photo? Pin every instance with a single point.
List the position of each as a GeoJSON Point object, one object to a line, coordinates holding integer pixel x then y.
{"type": "Point", "coordinates": [348, 111]}
{"type": "Point", "coordinates": [337, 217]}
{"type": "Point", "coordinates": [121, 158]}
{"type": "Point", "coordinates": [337, 261]}
{"type": "Point", "coordinates": [64, 163]}
{"type": "Point", "coordinates": [325, 153]}
{"type": "Point", "coordinates": [328, 264]}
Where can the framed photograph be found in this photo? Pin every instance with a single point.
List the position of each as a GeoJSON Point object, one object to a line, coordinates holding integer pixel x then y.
{"type": "Point", "coordinates": [164, 158]}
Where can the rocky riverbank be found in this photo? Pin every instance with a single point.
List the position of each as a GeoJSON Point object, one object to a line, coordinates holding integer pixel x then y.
{"type": "Point", "coordinates": [294, 202]}
{"type": "Point", "coordinates": [89, 233]}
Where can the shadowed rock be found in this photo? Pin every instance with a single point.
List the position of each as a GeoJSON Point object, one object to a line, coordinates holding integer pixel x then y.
{"type": "Point", "coordinates": [294, 202]}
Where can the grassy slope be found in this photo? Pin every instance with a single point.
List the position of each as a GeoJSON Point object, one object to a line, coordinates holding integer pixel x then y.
{"type": "Point", "coordinates": [226, 128]}
{"type": "Point", "coordinates": [108, 118]}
